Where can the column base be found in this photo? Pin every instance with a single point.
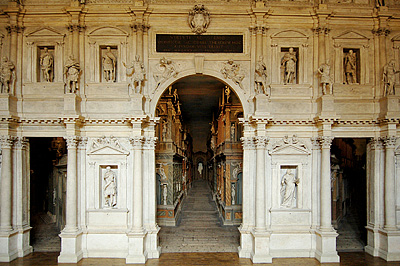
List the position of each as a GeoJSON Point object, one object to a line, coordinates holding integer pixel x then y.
{"type": "Point", "coordinates": [136, 247]}
{"type": "Point", "coordinates": [326, 247]}
{"type": "Point", "coordinates": [261, 253]}
{"type": "Point", "coordinates": [71, 247]}
{"type": "Point", "coordinates": [246, 242]}
{"type": "Point", "coordinates": [23, 241]}
{"type": "Point", "coordinates": [383, 243]}
{"type": "Point", "coordinates": [8, 246]}
{"type": "Point", "coordinates": [152, 248]}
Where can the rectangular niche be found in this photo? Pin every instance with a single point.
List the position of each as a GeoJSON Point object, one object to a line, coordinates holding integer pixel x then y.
{"type": "Point", "coordinates": [289, 186]}
{"type": "Point", "coordinates": [108, 63]}
{"type": "Point", "coordinates": [350, 67]}
{"type": "Point", "coordinates": [289, 61]}
{"type": "Point", "coordinates": [109, 181]}
{"type": "Point", "coordinates": [45, 64]}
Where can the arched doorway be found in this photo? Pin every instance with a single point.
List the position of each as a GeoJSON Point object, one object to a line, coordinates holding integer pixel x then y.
{"type": "Point", "coordinates": [199, 138]}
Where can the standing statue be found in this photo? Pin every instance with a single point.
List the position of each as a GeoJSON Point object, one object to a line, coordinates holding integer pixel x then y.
{"type": "Point", "coordinates": [325, 71]}
{"type": "Point", "coordinates": [109, 65]}
{"type": "Point", "coordinates": [6, 75]}
{"type": "Point", "coordinates": [289, 61]}
{"type": "Point", "coordinates": [261, 77]}
{"type": "Point", "coordinates": [233, 193]}
{"type": "Point", "coordinates": [389, 77]}
{"type": "Point", "coordinates": [72, 70]}
{"type": "Point", "coordinates": [46, 64]}
{"type": "Point", "coordinates": [231, 70]}
{"type": "Point", "coordinates": [350, 67]}
{"type": "Point", "coordinates": [136, 76]}
{"type": "Point", "coordinates": [288, 189]}
{"type": "Point", "coordinates": [110, 188]}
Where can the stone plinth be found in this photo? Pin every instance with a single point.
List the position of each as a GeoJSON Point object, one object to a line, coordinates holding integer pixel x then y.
{"type": "Point", "coordinates": [389, 107]}
{"type": "Point", "coordinates": [261, 103]}
{"type": "Point", "coordinates": [72, 104]}
{"type": "Point", "coordinates": [137, 104]}
{"type": "Point", "coordinates": [326, 247]}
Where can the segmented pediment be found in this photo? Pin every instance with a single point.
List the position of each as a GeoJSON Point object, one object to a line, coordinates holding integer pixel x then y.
{"type": "Point", "coordinates": [290, 34]}
{"type": "Point", "coordinates": [108, 31]}
{"type": "Point", "coordinates": [289, 146]}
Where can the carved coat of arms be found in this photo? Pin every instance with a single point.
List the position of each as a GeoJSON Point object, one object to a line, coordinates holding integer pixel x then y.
{"type": "Point", "coordinates": [199, 19]}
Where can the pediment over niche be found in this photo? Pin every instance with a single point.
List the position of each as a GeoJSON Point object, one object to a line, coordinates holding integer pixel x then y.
{"type": "Point", "coordinates": [45, 32]}
{"type": "Point", "coordinates": [289, 146]}
{"type": "Point", "coordinates": [108, 31]}
{"type": "Point", "coordinates": [107, 146]}
{"type": "Point", "coordinates": [351, 35]}
{"type": "Point", "coordinates": [289, 34]}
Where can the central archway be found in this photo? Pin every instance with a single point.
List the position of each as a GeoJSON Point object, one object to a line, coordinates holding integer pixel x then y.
{"type": "Point", "coordinates": [199, 136]}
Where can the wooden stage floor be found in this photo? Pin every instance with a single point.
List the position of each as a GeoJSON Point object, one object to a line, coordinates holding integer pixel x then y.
{"type": "Point", "coordinates": [187, 259]}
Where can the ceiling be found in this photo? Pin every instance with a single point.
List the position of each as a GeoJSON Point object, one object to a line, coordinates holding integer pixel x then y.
{"type": "Point", "coordinates": [199, 97]}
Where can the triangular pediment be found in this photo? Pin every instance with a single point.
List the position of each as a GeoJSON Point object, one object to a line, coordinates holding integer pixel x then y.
{"type": "Point", "coordinates": [45, 32]}
{"type": "Point", "coordinates": [351, 35]}
{"type": "Point", "coordinates": [108, 150]}
{"type": "Point", "coordinates": [290, 149]}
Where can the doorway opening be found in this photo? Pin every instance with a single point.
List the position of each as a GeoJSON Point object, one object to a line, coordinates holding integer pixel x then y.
{"type": "Point", "coordinates": [349, 199]}
{"type": "Point", "coordinates": [48, 166]}
{"type": "Point", "coordinates": [199, 159]}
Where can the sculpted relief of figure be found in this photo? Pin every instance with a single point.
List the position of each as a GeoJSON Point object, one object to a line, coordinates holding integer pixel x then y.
{"type": "Point", "coordinates": [231, 70]}
{"type": "Point", "coordinates": [350, 67]}
{"type": "Point", "coordinates": [288, 189]}
{"type": "Point", "coordinates": [6, 75]}
{"type": "Point", "coordinates": [72, 70]}
{"type": "Point", "coordinates": [288, 62]}
{"type": "Point", "coordinates": [326, 81]}
{"type": "Point", "coordinates": [199, 19]}
{"type": "Point", "coordinates": [109, 65]}
{"type": "Point", "coordinates": [46, 64]}
{"type": "Point", "coordinates": [389, 77]}
{"type": "Point", "coordinates": [110, 188]}
{"type": "Point", "coordinates": [261, 77]}
{"type": "Point", "coordinates": [137, 74]}
{"type": "Point", "coordinates": [166, 69]}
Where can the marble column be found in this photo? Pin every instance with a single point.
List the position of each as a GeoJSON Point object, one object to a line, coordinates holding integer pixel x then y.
{"type": "Point", "coordinates": [390, 184]}
{"type": "Point", "coordinates": [136, 235]}
{"type": "Point", "coordinates": [71, 236]}
{"type": "Point", "coordinates": [6, 184]}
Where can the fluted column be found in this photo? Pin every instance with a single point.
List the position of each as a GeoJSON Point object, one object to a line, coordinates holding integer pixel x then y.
{"type": "Point", "coordinates": [6, 184]}
{"type": "Point", "coordinates": [325, 207]}
{"type": "Point", "coordinates": [390, 185]}
{"type": "Point", "coordinates": [261, 142]}
{"type": "Point", "coordinates": [72, 200]}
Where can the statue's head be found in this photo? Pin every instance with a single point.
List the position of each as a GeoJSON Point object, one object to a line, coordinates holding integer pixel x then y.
{"type": "Point", "coordinates": [291, 50]}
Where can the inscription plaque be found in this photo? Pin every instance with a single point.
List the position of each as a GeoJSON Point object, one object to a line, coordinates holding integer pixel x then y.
{"type": "Point", "coordinates": [179, 43]}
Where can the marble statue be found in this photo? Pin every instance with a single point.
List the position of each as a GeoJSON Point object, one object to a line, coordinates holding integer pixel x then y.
{"type": "Point", "coordinates": [261, 77]}
{"type": "Point", "coordinates": [47, 64]}
{"type": "Point", "coordinates": [110, 188]}
{"type": "Point", "coordinates": [233, 131]}
{"type": "Point", "coordinates": [109, 65]}
{"type": "Point", "coordinates": [165, 194]}
{"type": "Point", "coordinates": [166, 69]}
{"type": "Point", "coordinates": [199, 19]}
{"type": "Point", "coordinates": [72, 70]}
{"type": "Point", "coordinates": [227, 93]}
{"type": "Point", "coordinates": [137, 74]}
{"type": "Point", "coordinates": [326, 81]}
{"type": "Point", "coordinates": [233, 193]}
{"type": "Point", "coordinates": [389, 77]}
{"type": "Point", "coordinates": [288, 62]}
{"type": "Point", "coordinates": [350, 67]}
{"type": "Point", "coordinates": [231, 70]}
{"type": "Point", "coordinates": [288, 189]}
{"type": "Point", "coordinates": [6, 75]}
{"type": "Point", "coordinates": [200, 168]}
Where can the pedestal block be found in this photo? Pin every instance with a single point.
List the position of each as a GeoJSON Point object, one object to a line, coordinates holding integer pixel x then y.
{"type": "Point", "coordinates": [71, 247]}
{"type": "Point", "coordinates": [72, 104]}
{"type": "Point", "coordinates": [326, 106]}
{"type": "Point", "coordinates": [326, 247]}
{"type": "Point", "coordinates": [261, 252]}
{"type": "Point", "coordinates": [137, 104]}
{"type": "Point", "coordinates": [384, 244]}
{"type": "Point", "coordinates": [8, 246]}
{"type": "Point", "coordinates": [24, 248]}
{"type": "Point", "coordinates": [389, 107]}
{"type": "Point", "coordinates": [261, 103]}
{"type": "Point", "coordinates": [152, 247]}
{"type": "Point", "coordinates": [246, 243]}
{"type": "Point", "coordinates": [136, 248]}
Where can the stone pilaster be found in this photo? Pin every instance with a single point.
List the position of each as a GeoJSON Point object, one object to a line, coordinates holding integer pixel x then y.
{"type": "Point", "coordinates": [390, 185]}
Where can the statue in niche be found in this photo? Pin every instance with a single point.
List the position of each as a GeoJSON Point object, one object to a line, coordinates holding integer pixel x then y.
{"type": "Point", "coordinates": [72, 70]}
{"type": "Point", "coordinates": [110, 188]}
{"type": "Point", "coordinates": [164, 130]}
{"type": "Point", "coordinates": [350, 67]}
{"type": "Point", "coordinates": [289, 61]}
{"type": "Point", "coordinates": [165, 194]}
{"type": "Point", "coordinates": [200, 168]}
{"type": "Point", "coordinates": [233, 129]}
{"type": "Point", "coordinates": [199, 19]}
{"type": "Point", "coordinates": [167, 70]}
{"type": "Point", "coordinates": [261, 77]}
{"type": "Point", "coordinates": [231, 70]}
{"type": "Point", "coordinates": [109, 65]}
{"type": "Point", "coordinates": [288, 189]}
{"type": "Point", "coordinates": [233, 193]}
{"type": "Point", "coordinates": [389, 77]}
{"type": "Point", "coordinates": [326, 81]}
{"type": "Point", "coordinates": [227, 93]}
{"type": "Point", "coordinates": [46, 64]}
{"type": "Point", "coordinates": [6, 75]}
{"type": "Point", "coordinates": [137, 74]}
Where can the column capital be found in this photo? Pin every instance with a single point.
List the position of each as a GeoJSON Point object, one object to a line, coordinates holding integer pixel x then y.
{"type": "Point", "coordinates": [375, 143]}
{"type": "Point", "coordinates": [149, 143]}
{"type": "Point", "coordinates": [325, 141]}
{"type": "Point", "coordinates": [14, 29]}
{"type": "Point", "coordinates": [315, 143]}
{"type": "Point", "coordinates": [248, 143]}
{"type": "Point", "coordinates": [83, 142]}
{"type": "Point", "coordinates": [76, 27]}
{"type": "Point", "coordinates": [140, 27]}
{"type": "Point", "coordinates": [261, 142]}
{"type": "Point", "coordinates": [389, 142]}
{"type": "Point", "coordinates": [21, 142]}
{"type": "Point", "coordinates": [72, 141]}
{"type": "Point", "coordinates": [137, 142]}
{"type": "Point", "coordinates": [7, 141]}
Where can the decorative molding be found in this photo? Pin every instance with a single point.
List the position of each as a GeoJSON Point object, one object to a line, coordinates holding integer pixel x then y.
{"type": "Point", "coordinates": [199, 19]}
{"type": "Point", "coordinates": [72, 141]}
{"type": "Point", "coordinates": [7, 141]}
{"type": "Point", "coordinates": [325, 142]}
{"type": "Point", "coordinates": [288, 145]}
{"type": "Point", "coordinates": [110, 144]}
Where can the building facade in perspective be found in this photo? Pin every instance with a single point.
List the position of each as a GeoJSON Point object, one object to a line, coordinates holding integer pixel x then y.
{"type": "Point", "coordinates": [110, 109]}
